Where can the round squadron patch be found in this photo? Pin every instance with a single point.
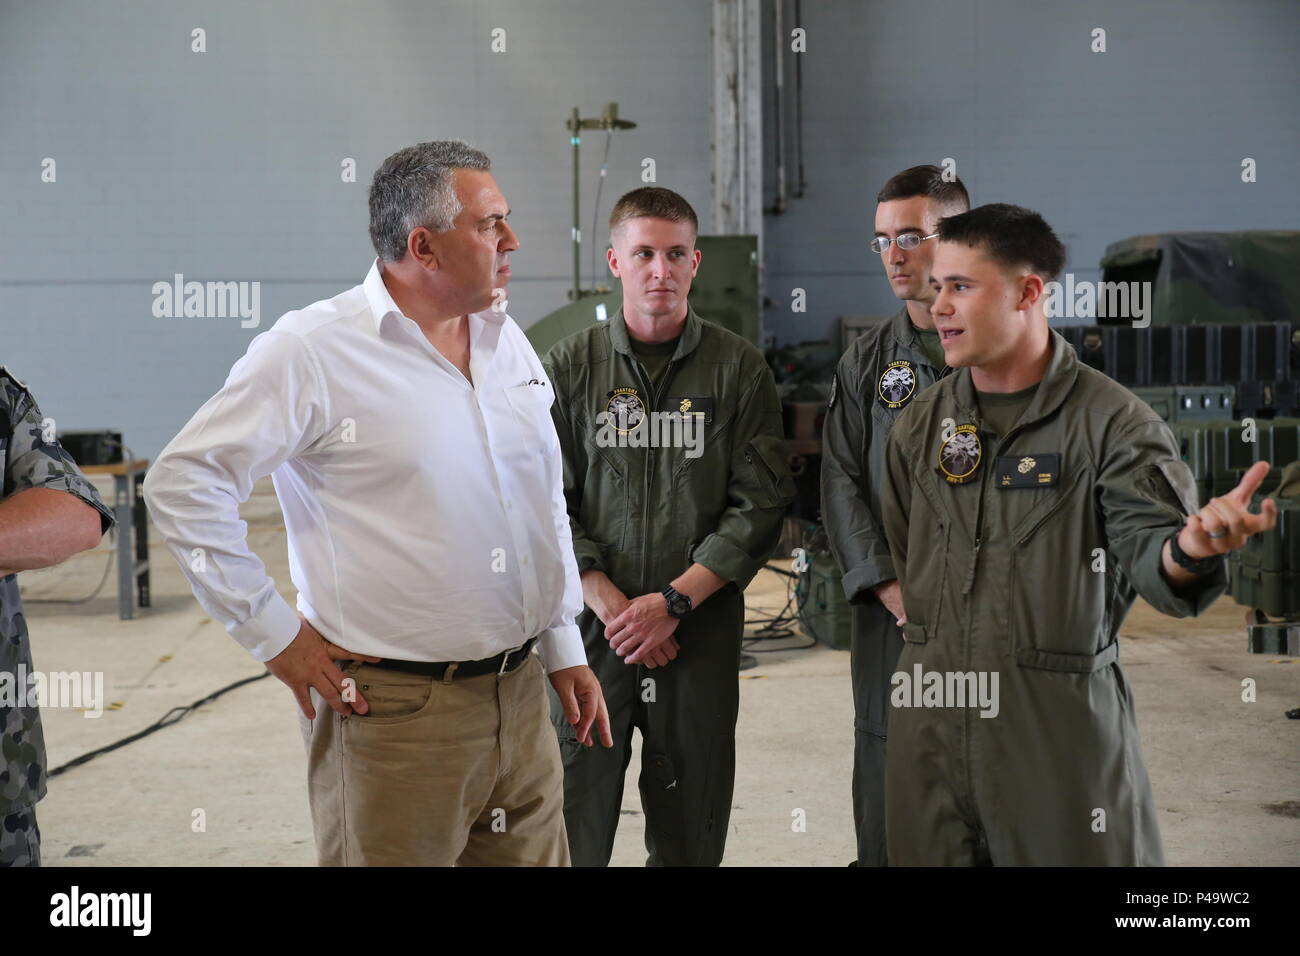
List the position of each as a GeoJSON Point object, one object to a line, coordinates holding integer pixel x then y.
{"type": "Point", "coordinates": [897, 384]}
{"type": "Point", "coordinates": [626, 410]}
{"type": "Point", "coordinates": [959, 456]}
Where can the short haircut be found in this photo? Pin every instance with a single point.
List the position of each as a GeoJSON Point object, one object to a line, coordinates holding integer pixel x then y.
{"type": "Point", "coordinates": [1013, 237]}
{"type": "Point", "coordinates": [950, 196]}
{"type": "Point", "coordinates": [654, 202]}
{"type": "Point", "coordinates": [414, 188]}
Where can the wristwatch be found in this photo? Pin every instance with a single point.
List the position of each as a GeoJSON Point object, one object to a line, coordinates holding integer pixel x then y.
{"type": "Point", "coordinates": [679, 605]}
{"type": "Point", "coordinates": [1197, 566]}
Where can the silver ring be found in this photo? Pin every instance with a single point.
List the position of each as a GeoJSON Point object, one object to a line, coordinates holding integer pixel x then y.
{"type": "Point", "coordinates": [1213, 535]}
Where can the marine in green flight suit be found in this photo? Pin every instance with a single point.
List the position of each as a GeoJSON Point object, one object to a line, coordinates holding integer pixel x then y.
{"type": "Point", "coordinates": [676, 480]}
{"type": "Point", "coordinates": [1028, 500]}
{"type": "Point", "coordinates": [875, 380]}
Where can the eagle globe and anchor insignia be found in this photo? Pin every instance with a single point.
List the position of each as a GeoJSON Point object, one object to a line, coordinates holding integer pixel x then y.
{"type": "Point", "coordinates": [626, 410]}
{"type": "Point", "coordinates": [897, 384]}
{"type": "Point", "coordinates": [960, 454]}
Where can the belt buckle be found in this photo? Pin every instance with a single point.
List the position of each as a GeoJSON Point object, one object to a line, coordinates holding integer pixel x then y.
{"type": "Point", "coordinates": [505, 658]}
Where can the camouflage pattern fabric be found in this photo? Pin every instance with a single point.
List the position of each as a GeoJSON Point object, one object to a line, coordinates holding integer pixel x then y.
{"type": "Point", "coordinates": [20, 839]}
{"type": "Point", "coordinates": [30, 457]}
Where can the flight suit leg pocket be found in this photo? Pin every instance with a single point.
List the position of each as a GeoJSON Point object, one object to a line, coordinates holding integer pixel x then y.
{"type": "Point", "coordinates": [661, 796]}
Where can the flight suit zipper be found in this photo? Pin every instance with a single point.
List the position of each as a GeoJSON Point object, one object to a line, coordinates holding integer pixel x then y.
{"type": "Point", "coordinates": [654, 393]}
{"type": "Point", "coordinates": [979, 515]}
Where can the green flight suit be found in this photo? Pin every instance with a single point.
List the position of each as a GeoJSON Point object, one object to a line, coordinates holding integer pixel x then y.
{"type": "Point", "coordinates": [1020, 558]}
{"type": "Point", "coordinates": [876, 379]}
{"type": "Point", "coordinates": [643, 515]}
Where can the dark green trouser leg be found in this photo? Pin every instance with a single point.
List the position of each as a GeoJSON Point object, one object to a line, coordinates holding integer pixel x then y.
{"type": "Point", "coordinates": [688, 755]}
{"type": "Point", "coordinates": [877, 641]}
{"type": "Point", "coordinates": [686, 713]}
{"type": "Point", "coordinates": [593, 776]}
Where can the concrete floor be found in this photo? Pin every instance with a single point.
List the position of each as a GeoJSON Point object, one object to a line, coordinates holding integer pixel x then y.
{"type": "Point", "coordinates": [1226, 774]}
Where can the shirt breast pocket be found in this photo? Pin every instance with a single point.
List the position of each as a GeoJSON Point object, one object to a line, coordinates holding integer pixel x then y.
{"type": "Point", "coordinates": [531, 404]}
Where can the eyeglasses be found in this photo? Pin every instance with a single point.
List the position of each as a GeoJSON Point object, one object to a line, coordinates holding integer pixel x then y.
{"type": "Point", "coordinates": [908, 240]}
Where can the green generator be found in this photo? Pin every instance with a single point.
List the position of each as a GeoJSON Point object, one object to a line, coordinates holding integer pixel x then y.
{"type": "Point", "coordinates": [1189, 403]}
{"type": "Point", "coordinates": [1265, 574]}
{"type": "Point", "coordinates": [824, 612]}
{"type": "Point", "coordinates": [1218, 455]}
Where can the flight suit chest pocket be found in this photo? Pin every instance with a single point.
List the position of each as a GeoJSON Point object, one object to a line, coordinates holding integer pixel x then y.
{"type": "Point", "coordinates": [774, 484]}
{"type": "Point", "coordinates": [605, 511]}
{"type": "Point", "coordinates": [531, 405]}
{"type": "Point", "coordinates": [1057, 581]}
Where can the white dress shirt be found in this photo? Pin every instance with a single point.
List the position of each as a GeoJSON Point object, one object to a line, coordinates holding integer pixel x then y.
{"type": "Point", "coordinates": [425, 515]}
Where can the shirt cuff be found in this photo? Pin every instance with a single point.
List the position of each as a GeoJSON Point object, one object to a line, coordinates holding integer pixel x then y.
{"type": "Point", "coordinates": [562, 647]}
{"type": "Point", "coordinates": [270, 631]}
{"type": "Point", "coordinates": [726, 560]}
{"type": "Point", "coordinates": [1189, 601]}
{"type": "Point", "coordinates": [587, 555]}
{"type": "Point", "coordinates": [859, 580]}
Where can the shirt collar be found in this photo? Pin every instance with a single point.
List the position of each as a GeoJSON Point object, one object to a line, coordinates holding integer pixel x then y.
{"type": "Point", "coordinates": [1057, 382]}
{"type": "Point", "coordinates": [381, 303]}
{"type": "Point", "coordinates": [904, 331]}
{"type": "Point", "coordinates": [690, 337]}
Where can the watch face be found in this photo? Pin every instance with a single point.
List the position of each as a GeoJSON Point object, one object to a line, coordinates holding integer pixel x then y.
{"type": "Point", "coordinates": [678, 604]}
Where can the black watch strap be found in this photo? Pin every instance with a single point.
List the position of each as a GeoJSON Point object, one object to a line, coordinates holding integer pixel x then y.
{"type": "Point", "coordinates": [679, 605]}
{"type": "Point", "coordinates": [1199, 566]}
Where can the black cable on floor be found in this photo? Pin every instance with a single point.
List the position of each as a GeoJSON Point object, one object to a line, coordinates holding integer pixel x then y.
{"type": "Point", "coordinates": [171, 717]}
{"type": "Point", "coordinates": [779, 626]}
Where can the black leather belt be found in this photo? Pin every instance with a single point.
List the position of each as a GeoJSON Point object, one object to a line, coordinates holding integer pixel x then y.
{"type": "Point", "coordinates": [502, 663]}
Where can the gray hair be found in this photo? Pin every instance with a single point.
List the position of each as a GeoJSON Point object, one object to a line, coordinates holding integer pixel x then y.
{"type": "Point", "coordinates": [414, 188]}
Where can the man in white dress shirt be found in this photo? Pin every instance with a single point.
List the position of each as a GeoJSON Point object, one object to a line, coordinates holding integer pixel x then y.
{"type": "Point", "coordinates": [406, 426]}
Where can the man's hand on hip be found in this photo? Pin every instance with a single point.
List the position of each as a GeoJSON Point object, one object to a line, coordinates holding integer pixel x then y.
{"type": "Point", "coordinates": [584, 703]}
{"type": "Point", "coordinates": [308, 662]}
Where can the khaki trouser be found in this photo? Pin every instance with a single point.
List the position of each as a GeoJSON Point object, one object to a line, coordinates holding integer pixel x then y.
{"type": "Point", "coordinates": [439, 773]}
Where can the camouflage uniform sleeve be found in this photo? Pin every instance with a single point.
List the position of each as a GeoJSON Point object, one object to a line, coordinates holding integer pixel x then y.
{"type": "Point", "coordinates": [1146, 494]}
{"type": "Point", "coordinates": [33, 457]}
{"type": "Point", "coordinates": [759, 487]}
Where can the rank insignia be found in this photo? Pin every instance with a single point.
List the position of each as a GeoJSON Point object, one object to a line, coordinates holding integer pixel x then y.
{"type": "Point", "coordinates": [1028, 471]}
{"type": "Point", "coordinates": [835, 381]}
{"type": "Point", "coordinates": [625, 408]}
{"type": "Point", "coordinates": [897, 384]}
{"type": "Point", "coordinates": [960, 454]}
